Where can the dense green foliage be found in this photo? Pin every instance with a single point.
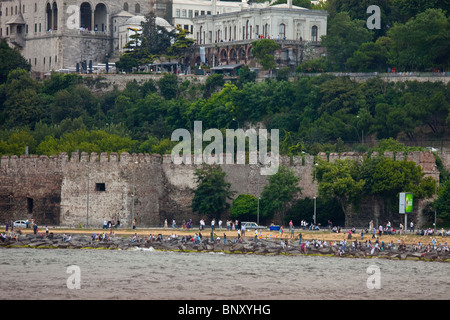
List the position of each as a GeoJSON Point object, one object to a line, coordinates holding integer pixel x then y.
{"type": "Point", "coordinates": [383, 179]}
{"type": "Point", "coordinates": [10, 59]}
{"type": "Point", "coordinates": [321, 113]}
{"type": "Point", "coordinates": [244, 208]}
{"type": "Point", "coordinates": [152, 43]}
{"type": "Point", "coordinates": [277, 196]}
{"type": "Point", "coordinates": [212, 193]}
{"type": "Point", "coordinates": [413, 37]}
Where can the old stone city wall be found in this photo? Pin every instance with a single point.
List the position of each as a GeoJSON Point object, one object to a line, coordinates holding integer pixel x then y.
{"type": "Point", "coordinates": [149, 188]}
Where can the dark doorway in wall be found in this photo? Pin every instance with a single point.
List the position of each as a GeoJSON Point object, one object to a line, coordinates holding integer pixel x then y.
{"type": "Point", "coordinates": [30, 205]}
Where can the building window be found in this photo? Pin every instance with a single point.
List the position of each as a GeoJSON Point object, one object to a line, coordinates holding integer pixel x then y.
{"type": "Point", "coordinates": [35, 27]}
{"type": "Point", "coordinates": [203, 13]}
{"type": "Point", "coordinates": [208, 13]}
{"type": "Point", "coordinates": [314, 33]}
{"type": "Point", "coordinates": [183, 13]}
{"type": "Point", "coordinates": [30, 205]}
{"type": "Point", "coordinates": [137, 8]}
{"type": "Point", "coordinates": [100, 187]}
{"type": "Point", "coordinates": [177, 13]}
{"type": "Point", "coordinates": [191, 13]}
{"type": "Point", "coordinates": [125, 6]}
{"type": "Point", "coordinates": [282, 31]}
{"type": "Point", "coordinates": [196, 13]}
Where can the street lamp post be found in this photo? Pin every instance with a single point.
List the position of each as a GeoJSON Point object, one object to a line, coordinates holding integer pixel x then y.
{"type": "Point", "coordinates": [435, 197]}
{"type": "Point", "coordinates": [87, 199]}
{"type": "Point", "coordinates": [315, 198]}
{"type": "Point", "coordinates": [257, 217]}
{"type": "Point", "coordinates": [133, 194]}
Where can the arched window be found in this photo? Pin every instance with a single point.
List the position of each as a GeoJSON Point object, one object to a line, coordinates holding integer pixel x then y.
{"type": "Point", "coordinates": [55, 16]}
{"type": "Point", "coordinates": [49, 16]}
{"type": "Point", "coordinates": [125, 6]}
{"type": "Point", "coordinates": [223, 55]}
{"type": "Point", "coordinates": [314, 33]}
{"type": "Point", "coordinates": [137, 8]}
{"type": "Point", "coordinates": [232, 54]}
{"type": "Point", "coordinates": [282, 31]}
{"type": "Point", "coordinates": [246, 30]}
{"type": "Point", "coordinates": [86, 16]}
{"type": "Point", "coordinates": [100, 17]}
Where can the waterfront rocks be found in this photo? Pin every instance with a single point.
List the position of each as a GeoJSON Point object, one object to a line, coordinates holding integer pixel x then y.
{"type": "Point", "coordinates": [244, 246]}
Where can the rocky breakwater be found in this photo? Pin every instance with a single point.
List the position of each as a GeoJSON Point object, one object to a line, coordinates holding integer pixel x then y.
{"type": "Point", "coordinates": [244, 246]}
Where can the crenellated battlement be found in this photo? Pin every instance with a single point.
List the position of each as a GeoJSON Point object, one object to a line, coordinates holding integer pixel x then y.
{"type": "Point", "coordinates": [57, 162]}
{"type": "Point", "coordinates": [57, 189]}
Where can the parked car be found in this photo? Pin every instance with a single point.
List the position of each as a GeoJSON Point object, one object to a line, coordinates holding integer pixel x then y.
{"type": "Point", "coordinates": [20, 223]}
{"type": "Point", "coordinates": [432, 149]}
{"type": "Point", "coordinates": [252, 225]}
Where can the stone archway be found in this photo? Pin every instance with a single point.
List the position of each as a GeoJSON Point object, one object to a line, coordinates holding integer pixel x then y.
{"type": "Point", "coordinates": [86, 16]}
{"type": "Point", "coordinates": [100, 17]}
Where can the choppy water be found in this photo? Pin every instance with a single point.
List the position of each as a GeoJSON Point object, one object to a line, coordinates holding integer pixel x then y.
{"type": "Point", "coordinates": [148, 274]}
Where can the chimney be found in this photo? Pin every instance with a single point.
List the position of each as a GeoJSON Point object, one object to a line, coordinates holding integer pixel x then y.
{"type": "Point", "coordinates": [289, 3]}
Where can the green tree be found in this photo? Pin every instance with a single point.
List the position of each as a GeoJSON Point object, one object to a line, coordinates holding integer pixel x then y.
{"type": "Point", "coordinates": [246, 75]}
{"type": "Point", "coordinates": [371, 56]}
{"type": "Point", "coordinates": [277, 196]}
{"type": "Point", "coordinates": [127, 62]}
{"type": "Point", "coordinates": [408, 9]}
{"type": "Point", "coordinates": [213, 82]}
{"type": "Point", "coordinates": [344, 36]}
{"type": "Point", "coordinates": [422, 43]}
{"type": "Point", "coordinates": [340, 180]}
{"type": "Point", "coordinates": [168, 86]}
{"type": "Point", "coordinates": [391, 177]}
{"type": "Point", "coordinates": [22, 105]}
{"type": "Point", "coordinates": [244, 208]}
{"type": "Point", "coordinates": [442, 203]}
{"type": "Point", "coordinates": [181, 44]}
{"type": "Point", "coordinates": [263, 50]}
{"type": "Point", "coordinates": [357, 10]}
{"type": "Point", "coordinates": [10, 59]}
{"type": "Point", "coordinates": [212, 192]}
{"type": "Point", "coordinates": [152, 42]}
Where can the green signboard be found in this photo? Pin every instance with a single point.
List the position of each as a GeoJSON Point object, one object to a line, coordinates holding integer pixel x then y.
{"type": "Point", "coordinates": [405, 202]}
